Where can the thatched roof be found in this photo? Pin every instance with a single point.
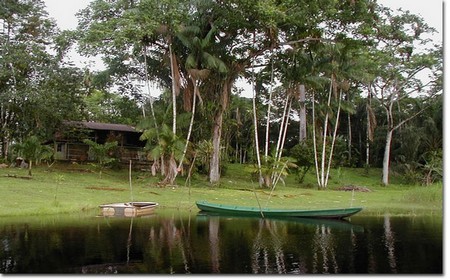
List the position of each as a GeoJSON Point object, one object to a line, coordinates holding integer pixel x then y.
{"type": "Point", "coordinates": [102, 126]}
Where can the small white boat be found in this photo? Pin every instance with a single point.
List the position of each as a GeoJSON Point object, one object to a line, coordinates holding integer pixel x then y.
{"type": "Point", "coordinates": [128, 209]}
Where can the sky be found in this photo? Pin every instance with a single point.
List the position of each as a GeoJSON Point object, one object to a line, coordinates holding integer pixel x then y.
{"type": "Point", "coordinates": [63, 11]}
{"type": "Point", "coordinates": [431, 10]}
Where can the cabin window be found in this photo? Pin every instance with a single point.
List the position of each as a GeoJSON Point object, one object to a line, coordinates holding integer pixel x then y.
{"type": "Point", "coordinates": [60, 147]}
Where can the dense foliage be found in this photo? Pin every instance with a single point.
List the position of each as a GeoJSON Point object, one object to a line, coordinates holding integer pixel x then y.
{"type": "Point", "coordinates": [334, 83]}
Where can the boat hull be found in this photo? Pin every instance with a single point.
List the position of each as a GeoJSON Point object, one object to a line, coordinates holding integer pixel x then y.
{"type": "Point", "coordinates": [337, 213]}
{"type": "Point", "coordinates": [128, 209]}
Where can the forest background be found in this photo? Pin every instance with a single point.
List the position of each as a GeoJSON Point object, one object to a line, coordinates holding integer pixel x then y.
{"type": "Point", "coordinates": [333, 84]}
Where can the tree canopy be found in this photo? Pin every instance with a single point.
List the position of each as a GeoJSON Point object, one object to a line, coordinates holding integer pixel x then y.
{"type": "Point", "coordinates": [349, 78]}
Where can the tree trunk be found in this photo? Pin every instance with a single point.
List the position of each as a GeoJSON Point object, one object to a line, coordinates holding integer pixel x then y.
{"type": "Point", "coordinates": [286, 123]}
{"type": "Point", "coordinates": [170, 170]}
{"type": "Point", "coordinates": [334, 139]}
{"type": "Point", "coordinates": [283, 120]}
{"type": "Point", "coordinates": [255, 125]}
{"type": "Point", "coordinates": [269, 106]}
{"type": "Point", "coordinates": [194, 101]}
{"type": "Point", "coordinates": [174, 89]}
{"type": "Point", "coordinates": [30, 163]}
{"type": "Point", "coordinates": [316, 156]}
{"type": "Point", "coordinates": [349, 122]}
{"type": "Point", "coordinates": [214, 167]}
{"type": "Point", "coordinates": [386, 157]}
{"type": "Point", "coordinates": [324, 144]}
{"type": "Point", "coordinates": [214, 170]}
{"type": "Point", "coordinates": [302, 99]}
{"type": "Point", "coordinates": [147, 81]}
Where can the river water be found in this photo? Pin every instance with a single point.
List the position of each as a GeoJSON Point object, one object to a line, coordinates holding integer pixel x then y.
{"type": "Point", "coordinates": [171, 242]}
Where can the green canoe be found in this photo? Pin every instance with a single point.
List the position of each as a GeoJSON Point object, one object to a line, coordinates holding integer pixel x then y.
{"type": "Point", "coordinates": [335, 213]}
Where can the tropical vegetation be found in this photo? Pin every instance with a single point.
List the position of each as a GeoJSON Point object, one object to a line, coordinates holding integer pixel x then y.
{"type": "Point", "coordinates": [334, 84]}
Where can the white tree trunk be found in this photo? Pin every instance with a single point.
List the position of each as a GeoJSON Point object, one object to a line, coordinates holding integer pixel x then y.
{"type": "Point", "coordinates": [283, 120]}
{"type": "Point", "coordinates": [174, 94]}
{"type": "Point", "coordinates": [269, 106]}
{"type": "Point", "coordinates": [191, 123]}
{"type": "Point", "coordinates": [316, 157]}
{"type": "Point", "coordinates": [324, 143]}
{"type": "Point", "coordinates": [333, 140]}
{"type": "Point", "coordinates": [349, 121]}
{"type": "Point", "coordinates": [255, 124]}
{"type": "Point", "coordinates": [302, 135]}
{"type": "Point", "coordinates": [149, 93]}
{"type": "Point", "coordinates": [386, 157]}
{"type": "Point", "coordinates": [286, 123]}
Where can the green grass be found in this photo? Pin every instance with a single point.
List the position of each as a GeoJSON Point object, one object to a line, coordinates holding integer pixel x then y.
{"type": "Point", "coordinates": [75, 188]}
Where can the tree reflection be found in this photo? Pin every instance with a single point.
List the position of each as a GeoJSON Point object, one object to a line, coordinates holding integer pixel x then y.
{"type": "Point", "coordinates": [389, 243]}
{"type": "Point", "coordinates": [324, 247]}
{"type": "Point", "coordinates": [214, 243]}
{"type": "Point", "coordinates": [266, 239]}
{"type": "Point", "coordinates": [167, 245]}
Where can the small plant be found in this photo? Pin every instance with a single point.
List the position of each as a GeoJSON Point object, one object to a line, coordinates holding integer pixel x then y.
{"type": "Point", "coordinates": [59, 180]}
{"type": "Point", "coordinates": [32, 150]}
{"type": "Point", "coordinates": [433, 167]}
{"type": "Point", "coordinates": [101, 153]}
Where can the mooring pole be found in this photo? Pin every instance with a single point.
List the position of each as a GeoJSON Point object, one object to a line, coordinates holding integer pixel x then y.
{"type": "Point", "coordinates": [129, 179]}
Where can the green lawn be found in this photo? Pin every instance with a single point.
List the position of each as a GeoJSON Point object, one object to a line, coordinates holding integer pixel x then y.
{"type": "Point", "coordinates": [71, 188]}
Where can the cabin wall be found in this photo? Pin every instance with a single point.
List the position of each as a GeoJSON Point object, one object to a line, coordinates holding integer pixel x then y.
{"type": "Point", "coordinates": [129, 147]}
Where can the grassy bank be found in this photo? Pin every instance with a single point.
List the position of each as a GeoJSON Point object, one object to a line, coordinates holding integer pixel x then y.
{"type": "Point", "coordinates": [71, 188]}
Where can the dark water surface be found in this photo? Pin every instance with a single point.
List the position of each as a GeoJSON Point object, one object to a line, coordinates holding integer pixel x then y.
{"type": "Point", "coordinates": [180, 243]}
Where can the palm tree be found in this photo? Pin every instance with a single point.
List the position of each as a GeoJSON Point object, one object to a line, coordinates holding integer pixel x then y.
{"type": "Point", "coordinates": [199, 64]}
{"type": "Point", "coordinates": [32, 150]}
{"type": "Point", "coordinates": [167, 146]}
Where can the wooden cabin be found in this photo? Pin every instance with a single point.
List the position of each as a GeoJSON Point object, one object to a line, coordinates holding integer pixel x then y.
{"type": "Point", "coordinates": [69, 145]}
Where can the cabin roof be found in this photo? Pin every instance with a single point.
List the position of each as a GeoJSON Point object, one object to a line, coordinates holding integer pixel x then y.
{"type": "Point", "coordinates": [103, 126]}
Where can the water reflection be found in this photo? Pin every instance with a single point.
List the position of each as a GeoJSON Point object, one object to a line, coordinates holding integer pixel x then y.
{"type": "Point", "coordinates": [389, 242]}
{"type": "Point", "coordinates": [268, 241]}
{"type": "Point", "coordinates": [324, 250]}
{"type": "Point", "coordinates": [183, 244]}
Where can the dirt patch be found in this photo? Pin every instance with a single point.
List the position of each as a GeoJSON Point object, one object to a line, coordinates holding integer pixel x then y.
{"type": "Point", "coordinates": [105, 189]}
{"type": "Point", "coordinates": [78, 170]}
{"type": "Point", "coordinates": [18, 177]}
{"type": "Point", "coordinates": [350, 188]}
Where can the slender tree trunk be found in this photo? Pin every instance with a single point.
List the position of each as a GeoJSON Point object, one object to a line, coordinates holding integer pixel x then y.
{"type": "Point", "coordinates": [255, 125]}
{"type": "Point", "coordinates": [302, 136]}
{"type": "Point", "coordinates": [190, 124]}
{"type": "Point", "coordinates": [286, 123]}
{"type": "Point", "coordinates": [386, 157]}
{"type": "Point", "coordinates": [370, 124]}
{"type": "Point", "coordinates": [367, 144]}
{"type": "Point", "coordinates": [269, 106]}
{"type": "Point", "coordinates": [333, 140]}
{"type": "Point", "coordinates": [174, 91]}
{"type": "Point", "coordinates": [147, 81]}
{"type": "Point", "coordinates": [349, 121]}
{"type": "Point", "coordinates": [316, 156]}
{"type": "Point", "coordinates": [324, 144]}
{"type": "Point", "coordinates": [283, 119]}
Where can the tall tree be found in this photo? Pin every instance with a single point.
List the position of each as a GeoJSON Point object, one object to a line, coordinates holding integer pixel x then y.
{"type": "Point", "coordinates": [37, 90]}
{"type": "Point", "coordinates": [199, 63]}
{"type": "Point", "coordinates": [135, 40]}
{"type": "Point", "coordinates": [403, 57]}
